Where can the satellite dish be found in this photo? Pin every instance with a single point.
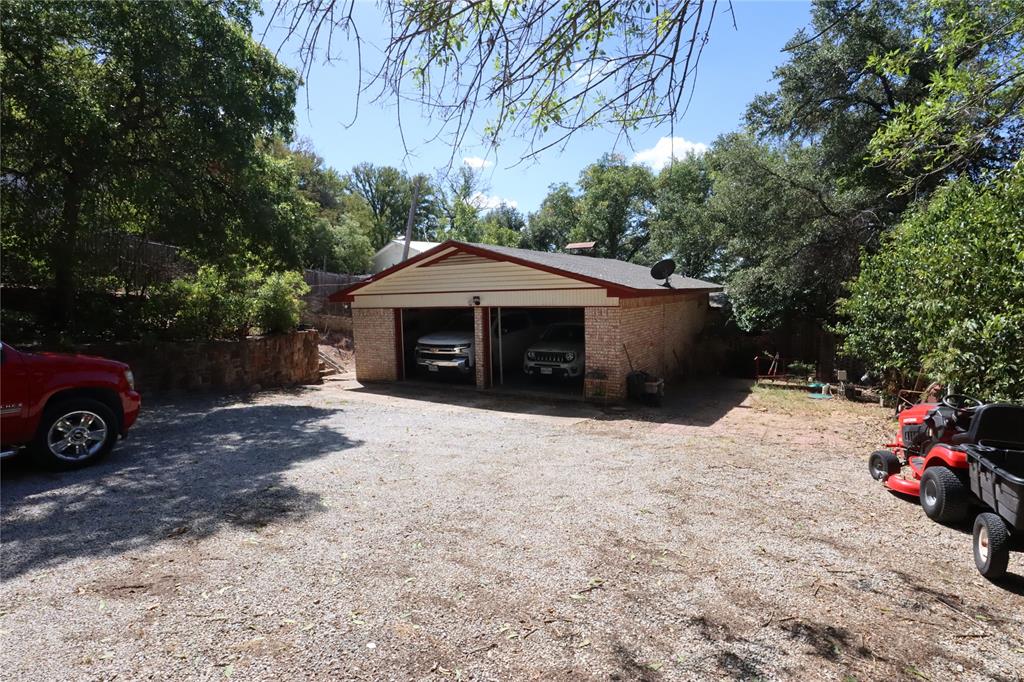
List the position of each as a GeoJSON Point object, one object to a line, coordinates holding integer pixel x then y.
{"type": "Point", "coordinates": [663, 270]}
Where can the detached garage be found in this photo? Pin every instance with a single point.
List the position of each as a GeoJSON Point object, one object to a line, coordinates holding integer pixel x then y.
{"type": "Point", "coordinates": [496, 316]}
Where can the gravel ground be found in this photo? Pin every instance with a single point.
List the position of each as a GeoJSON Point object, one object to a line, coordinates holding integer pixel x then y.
{"type": "Point", "coordinates": [406, 533]}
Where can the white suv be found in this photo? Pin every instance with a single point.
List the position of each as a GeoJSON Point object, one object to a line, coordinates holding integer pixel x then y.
{"type": "Point", "coordinates": [451, 349]}
{"type": "Point", "coordinates": [559, 352]}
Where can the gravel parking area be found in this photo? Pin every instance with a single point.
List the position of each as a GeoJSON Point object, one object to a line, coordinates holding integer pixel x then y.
{"type": "Point", "coordinates": [403, 533]}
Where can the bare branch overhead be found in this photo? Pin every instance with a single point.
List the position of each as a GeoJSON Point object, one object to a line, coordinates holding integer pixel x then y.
{"type": "Point", "coordinates": [539, 71]}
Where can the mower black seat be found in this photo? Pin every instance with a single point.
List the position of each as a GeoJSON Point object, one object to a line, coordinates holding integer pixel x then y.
{"type": "Point", "coordinates": [998, 424]}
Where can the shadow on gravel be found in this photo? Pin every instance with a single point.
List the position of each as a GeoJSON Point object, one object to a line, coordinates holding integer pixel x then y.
{"type": "Point", "coordinates": [187, 469]}
{"type": "Point", "coordinates": [695, 403]}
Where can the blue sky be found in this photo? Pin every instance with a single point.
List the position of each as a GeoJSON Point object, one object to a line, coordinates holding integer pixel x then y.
{"type": "Point", "coordinates": [737, 65]}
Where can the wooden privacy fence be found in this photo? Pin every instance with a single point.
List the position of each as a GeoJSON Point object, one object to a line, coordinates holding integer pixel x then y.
{"type": "Point", "coordinates": [320, 312]}
{"type": "Point", "coordinates": [133, 260]}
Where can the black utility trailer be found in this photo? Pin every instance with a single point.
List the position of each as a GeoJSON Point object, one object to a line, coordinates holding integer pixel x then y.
{"type": "Point", "coordinates": [997, 479]}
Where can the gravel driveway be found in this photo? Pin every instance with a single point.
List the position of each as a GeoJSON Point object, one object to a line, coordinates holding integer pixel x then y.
{"type": "Point", "coordinates": [406, 533]}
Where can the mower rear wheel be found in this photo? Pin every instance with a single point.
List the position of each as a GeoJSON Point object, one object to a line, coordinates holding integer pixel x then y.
{"type": "Point", "coordinates": [882, 464]}
{"type": "Point", "coordinates": [944, 497]}
{"type": "Point", "coordinates": [991, 545]}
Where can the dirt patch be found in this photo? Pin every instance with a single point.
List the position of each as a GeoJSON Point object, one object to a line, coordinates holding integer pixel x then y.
{"type": "Point", "coordinates": [339, 349]}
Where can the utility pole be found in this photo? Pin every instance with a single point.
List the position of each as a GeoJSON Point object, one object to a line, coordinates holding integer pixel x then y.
{"type": "Point", "coordinates": [412, 216]}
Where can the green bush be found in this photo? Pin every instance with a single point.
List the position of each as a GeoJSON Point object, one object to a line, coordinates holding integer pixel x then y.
{"type": "Point", "coordinates": [802, 369]}
{"type": "Point", "coordinates": [218, 303]}
{"type": "Point", "coordinates": [945, 293]}
{"type": "Point", "coordinates": [278, 305]}
{"type": "Point", "coordinates": [212, 304]}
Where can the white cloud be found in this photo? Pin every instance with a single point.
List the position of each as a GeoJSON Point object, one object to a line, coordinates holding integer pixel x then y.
{"type": "Point", "coordinates": [592, 72]}
{"type": "Point", "coordinates": [476, 163]}
{"type": "Point", "coordinates": [668, 148]}
{"type": "Point", "coordinates": [484, 202]}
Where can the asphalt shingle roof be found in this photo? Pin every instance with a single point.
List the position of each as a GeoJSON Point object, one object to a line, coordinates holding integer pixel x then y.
{"type": "Point", "coordinates": [609, 270]}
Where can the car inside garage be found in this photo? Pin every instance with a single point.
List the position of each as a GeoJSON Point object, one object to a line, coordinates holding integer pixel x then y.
{"type": "Point", "coordinates": [540, 349]}
{"type": "Point", "coordinates": [443, 336]}
{"type": "Point", "coordinates": [597, 320]}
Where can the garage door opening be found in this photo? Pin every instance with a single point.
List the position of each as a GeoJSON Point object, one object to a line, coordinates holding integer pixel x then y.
{"type": "Point", "coordinates": [437, 344]}
{"type": "Point", "coordinates": [538, 349]}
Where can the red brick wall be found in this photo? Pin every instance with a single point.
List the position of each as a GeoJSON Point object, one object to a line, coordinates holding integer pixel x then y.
{"type": "Point", "coordinates": [604, 355]}
{"type": "Point", "coordinates": [642, 330]}
{"type": "Point", "coordinates": [683, 321]}
{"type": "Point", "coordinates": [658, 334]}
{"type": "Point", "coordinates": [373, 334]}
{"type": "Point", "coordinates": [481, 345]}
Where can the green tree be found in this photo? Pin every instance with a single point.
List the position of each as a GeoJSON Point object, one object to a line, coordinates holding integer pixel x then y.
{"type": "Point", "coordinates": [790, 240]}
{"type": "Point", "coordinates": [549, 227]}
{"type": "Point", "coordinates": [682, 226]}
{"type": "Point", "coordinates": [353, 252]}
{"type": "Point", "coordinates": [828, 94]}
{"type": "Point", "coordinates": [615, 207]}
{"type": "Point", "coordinates": [141, 117]}
{"type": "Point", "coordinates": [972, 117]}
{"type": "Point", "coordinates": [796, 203]}
{"type": "Point", "coordinates": [388, 192]}
{"type": "Point", "coordinates": [462, 214]}
{"type": "Point", "coordinates": [503, 226]}
{"type": "Point", "coordinates": [945, 293]}
{"type": "Point", "coordinates": [338, 237]}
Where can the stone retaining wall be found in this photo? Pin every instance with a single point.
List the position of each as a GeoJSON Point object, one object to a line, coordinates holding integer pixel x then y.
{"type": "Point", "coordinates": [250, 364]}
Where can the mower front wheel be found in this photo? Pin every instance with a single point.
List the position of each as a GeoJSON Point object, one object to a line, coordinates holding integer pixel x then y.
{"type": "Point", "coordinates": [991, 545]}
{"type": "Point", "coordinates": [882, 464]}
{"type": "Point", "coordinates": [944, 497]}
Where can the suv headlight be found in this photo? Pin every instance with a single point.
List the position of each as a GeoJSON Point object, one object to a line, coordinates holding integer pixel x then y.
{"type": "Point", "coordinates": [530, 355]}
{"type": "Point", "coordinates": [569, 357]}
{"type": "Point", "coordinates": [129, 376]}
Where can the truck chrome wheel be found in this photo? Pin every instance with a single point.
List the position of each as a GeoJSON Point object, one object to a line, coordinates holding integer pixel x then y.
{"type": "Point", "coordinates": [77, 436]}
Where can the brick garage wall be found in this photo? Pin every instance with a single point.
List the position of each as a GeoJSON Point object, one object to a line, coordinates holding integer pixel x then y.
{"type": "Point", "coordinates": [658, 333]}
{"type": "Point", "coordinates": [683, 322]}
{"type": "Point", "coordinates": [604, 355]}
{"type": "Point", "coordinates": [373, 335]}
{"type": "Point", "coordinates": [247, 364]}
{"type": "Point", "coordinates": [642, 329]}
{"type": "Point", "coordinates": [661, 334]}
{"type": "Point", "coordinates": [482, 347]}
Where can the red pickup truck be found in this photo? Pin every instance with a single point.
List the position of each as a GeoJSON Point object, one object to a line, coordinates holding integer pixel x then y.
{"type": "Point", "coordinates": [68, 409]}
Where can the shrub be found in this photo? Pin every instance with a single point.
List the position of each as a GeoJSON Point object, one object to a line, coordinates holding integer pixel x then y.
{"type": "Point", "coordinates": [216, 303]}
{"type": "Point", "coordinates": [278, 304]}
{"type": "Point", "coordinates": [802, 369]}
{"type": "Point", "coordinates": [945, 293]}
{"type": "Point", "coordinates": [212, 304]}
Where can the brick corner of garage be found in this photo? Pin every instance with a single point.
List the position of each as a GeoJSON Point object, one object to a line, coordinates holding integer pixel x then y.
{"type": "Point", "coordinates": [373, 335]}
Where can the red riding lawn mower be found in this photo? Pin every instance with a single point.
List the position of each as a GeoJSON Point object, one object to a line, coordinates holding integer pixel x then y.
{"type": "Point", "coordinates": [960, 454]}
